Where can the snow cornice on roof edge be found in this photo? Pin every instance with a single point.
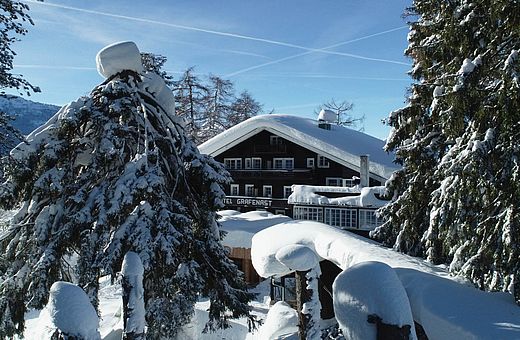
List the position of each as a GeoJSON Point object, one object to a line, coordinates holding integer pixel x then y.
{"type": "Point", "coordinates": [340, 144]}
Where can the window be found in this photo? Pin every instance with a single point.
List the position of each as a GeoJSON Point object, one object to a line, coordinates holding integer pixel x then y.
{"type": "Point", "coordinates": [233, 163]}
{"type": "Point", "coordinates": [333, 181]}
{"type": "Point", "coordinates": [368, 219]}
{"type": "Point", "coordinates": [279, 212]}
{"type": "Point", "coordinates": [267, 191]}
{"type": "Point", "coordinates": [308, 213]}
{"type": "Point", "coordinates": [247, 162]}
{"type": "Point", "coordinates": [287, 191]}
{"type": "Point", "coordinates": [250, 189]}
{"type": "Point", "coordinates": [283, 163]}
{"type": "Point", "coordinates": [323, 162]}
{"type": "Point", "coordinates": [342, 218]}
{"type": "Point", "coordinates": [234, 190]}
{"type": "Point", "coordinates": [348, 182]}
{"type": "Point", "coordinates": [256, 163]}
{"type": "Point", "coordinates": [310, 163]}
{"type": "Point", "coordinates": [275, 140]}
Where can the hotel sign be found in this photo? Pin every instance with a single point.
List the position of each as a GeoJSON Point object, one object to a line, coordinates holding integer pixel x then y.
{"type": "Point", "coordinates": [255, 202]}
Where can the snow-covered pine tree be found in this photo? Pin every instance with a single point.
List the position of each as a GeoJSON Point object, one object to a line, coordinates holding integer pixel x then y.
{"type": "Point", "coordinates": [114, 172]}
{"type": "Point", "coordinates": [458, 194]}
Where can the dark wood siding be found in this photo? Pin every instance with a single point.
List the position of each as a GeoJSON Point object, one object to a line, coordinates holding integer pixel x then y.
{"type": "Point", "coordinates": [261, 146]}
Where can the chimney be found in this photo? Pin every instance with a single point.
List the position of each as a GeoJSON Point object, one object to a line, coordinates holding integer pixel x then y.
{"type": "Point", "coordinates": [325, 118]}
{"type": "Point", "coordinates": [363, 171]}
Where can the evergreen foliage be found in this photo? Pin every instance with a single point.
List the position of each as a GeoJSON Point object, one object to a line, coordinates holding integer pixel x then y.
{"type": "Point", "coordinates": [114, 172]}
{"type": "Point", "coordinates": [457, 197]}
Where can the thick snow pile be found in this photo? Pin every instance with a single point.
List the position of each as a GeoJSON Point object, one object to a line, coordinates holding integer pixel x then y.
{"type": "Point", "coordinates": [281, 321]}
{"type": "Point", "coordinates": [118, 57]}
{"type": "Point", "coordinates": [70, 311]}
{"type": "Point", "coordinates": [386, 298]}
{"type": "Point", "coordinates": [308, 194]}
{"type": "Point", "coordinates": [240, 228]}
{"type": "Point", "coordinates": [327, 115]}
{"type": "Point", "coordinates": [438, 301]}
{"type": "Point", "coordinates": [297, 257]}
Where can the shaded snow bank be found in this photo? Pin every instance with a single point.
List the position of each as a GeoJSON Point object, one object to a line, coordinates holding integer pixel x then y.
{"type": "Point", "coordinates": [443, 305]}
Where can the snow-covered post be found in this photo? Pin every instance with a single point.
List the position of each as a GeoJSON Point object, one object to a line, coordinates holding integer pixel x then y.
{"type": "Point", "coordinates": [133, 297]}
{"type": "Point", "coordinates": [68, 314]}
{"type": "Point", "coordinates": [305, 262]}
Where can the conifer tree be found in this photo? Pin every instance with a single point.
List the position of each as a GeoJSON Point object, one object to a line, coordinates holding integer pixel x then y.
{"type": "Point", "coordinates": [457, 197]}
{"type": "Point", "coordinates": [114, 172]}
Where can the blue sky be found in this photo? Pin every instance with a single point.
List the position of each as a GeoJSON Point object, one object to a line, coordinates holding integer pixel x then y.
{"type": "Point", "coordinates": [292, 55]}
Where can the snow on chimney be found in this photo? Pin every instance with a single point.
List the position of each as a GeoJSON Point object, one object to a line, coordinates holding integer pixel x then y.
{"type": "Point", "coordinates": [363, 171]}
{"type": "Point", "coordinates": [325, 118]}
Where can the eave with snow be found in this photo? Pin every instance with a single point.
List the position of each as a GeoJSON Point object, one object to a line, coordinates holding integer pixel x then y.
{"type": "Point", "coordinates": [339, 144]}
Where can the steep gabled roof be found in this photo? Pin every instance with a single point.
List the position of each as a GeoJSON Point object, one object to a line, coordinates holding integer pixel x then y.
{"type": "Point", "coordinates": [339, 144]}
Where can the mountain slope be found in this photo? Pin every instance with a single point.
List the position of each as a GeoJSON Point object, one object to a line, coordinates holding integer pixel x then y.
{"type": "Point", "coordinates": [29, 115]}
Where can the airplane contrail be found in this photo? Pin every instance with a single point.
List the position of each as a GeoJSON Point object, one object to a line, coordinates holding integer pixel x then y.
{"type": "Point", "coordinates": [57, 67]}
{"type": "Point", "coordinates": [220, 33]}
{"type": "Point", "coordinates": [251, 68]}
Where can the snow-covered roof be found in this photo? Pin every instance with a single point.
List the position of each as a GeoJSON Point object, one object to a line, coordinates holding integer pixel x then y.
{"type": "Point", "coordinates": [241, 227]}
{"type": "Point", "coordinates": [339, 144]}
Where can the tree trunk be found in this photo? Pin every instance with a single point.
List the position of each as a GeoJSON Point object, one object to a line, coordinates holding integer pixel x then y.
{"type": "Point", "coordinates": [302, 295]}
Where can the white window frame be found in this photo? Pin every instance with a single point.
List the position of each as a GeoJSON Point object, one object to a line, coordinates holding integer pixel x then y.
{"type": "Point", "coordinates": [341, 217]}
{"type": "Point", "coordinates": [368, 219]}
{"type": "Point", "coordinates": [308, 213]}
{"type": "Point", "coordinates": [311, 163]}
{"type": "Point", "coordinates": [285, 188]}
{"type": "Point", "coordinates": [258, 162]}
{"type": "Point", "coordinates": [247, 163]}
{"type": "Point", "coordinates": [267, 188]}
{"type": "Point", "coordinates": [249, 187]}
{"type": "Point", "coordinates": [333, 181]}
{"type": "Point", "coordinates": [284, 163]}
{"type": "Point", "coordinates": [234, 187]}
{"type": "Point", "coordinates": [233, 163]}
{"type": "Point", "coordinates": [348, 182]}
{"type": "Point", "coordinates": [323, 162]}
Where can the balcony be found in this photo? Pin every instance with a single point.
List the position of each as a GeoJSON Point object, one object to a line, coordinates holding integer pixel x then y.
{"type": "Point", "coordinates": [270, 173]}
{"type": "Point", "coordinates": [270, 149]}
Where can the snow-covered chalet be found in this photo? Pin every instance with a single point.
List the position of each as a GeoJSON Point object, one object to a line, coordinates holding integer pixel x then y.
{"type": "Point", "coordinates": [269, 156]}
